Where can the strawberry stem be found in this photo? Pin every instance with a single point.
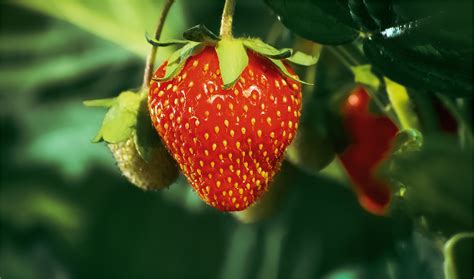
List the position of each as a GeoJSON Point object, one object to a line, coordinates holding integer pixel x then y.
{"type": "Point", "coordinates": [349, 56]}
{"type": "Point", "coordinates": [150, 61]}
{"type": "Point", "coordinates": [226, 21]}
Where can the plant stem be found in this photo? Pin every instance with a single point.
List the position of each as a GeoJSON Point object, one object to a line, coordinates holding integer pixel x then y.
{"type": "Point", "coordinates": [150, 61]}
{"type": "Point", "coordinates": [351, 56]}
{"type": "Point", "coordinates": [226, 21]}
{"type": "Point", "coordinates": [449, 264]}
{"type": "Point", "coordinates": [341, 57]}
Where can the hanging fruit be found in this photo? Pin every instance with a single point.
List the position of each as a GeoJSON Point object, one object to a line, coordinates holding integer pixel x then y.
{"type": "Point", "coordinates": [371, 139]}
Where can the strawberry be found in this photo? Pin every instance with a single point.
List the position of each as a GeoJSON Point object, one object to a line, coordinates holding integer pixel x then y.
{"type": "Point", "coordinates": [372, 139]}
{"type": "Point", "coordinates": [128, 132]}
{"type": "Point", "coordinates": [273, 199]}
{"type": "Point", "coordinates": [228, 142]}
{"type": "Point", "coordinates": [156, 173]}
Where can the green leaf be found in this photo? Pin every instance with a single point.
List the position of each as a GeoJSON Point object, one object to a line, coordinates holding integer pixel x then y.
{"type": "Point", "coordinates": [427, 49]}
{"type": "Point", "coordinates": [175, 56]}
{"type": "Point", "coordinates": [120, 120]}
{"type": "Point", "coordinates": [438, 182]}
{"type": "Point", "coordinates": [303, 59]}
{"type": "Point", "coordinates": [233, 60]}
{"type": "Point", "coordinates": [419, 71]}
{"type": "Point", "coordinates": [178, 59]}
{"type": "Point", "coordinates": [281, 67]}
{"type": "Point", "coordinates": [117, 125]}
{"type": "Point", "coordinates": [122, 24]}
{"type": "Point", "coordinates": [323, 21]}
{"type": "Point", "coordinates": [408, 140]}
{"type": "Point", "coordinates": [200, 33]}
{"type": "Point", "coordinates": [359, 14]}
{"type": "Point", "coordinates": [402, 104]}
{"type": "Point", "coordinates": [381, 12]}
{"type": "Point", "coordinates": [164, 42]}
{"type": "Point", "coordinates": [363, 75]}
{"type": "Point", "coordinates": [267, 50]}
{"type": "Point", "coordinates": [100, 102]}
{"type": "Point", "coordinates": [190, 49]}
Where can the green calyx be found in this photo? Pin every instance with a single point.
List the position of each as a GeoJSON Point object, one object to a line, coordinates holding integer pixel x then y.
{"type": "Point", "coordinates": [231, 53]}
{"type": "Point", "coordinates": [127, 117]}
{"type": "Point", "coordinates": [121, 118]}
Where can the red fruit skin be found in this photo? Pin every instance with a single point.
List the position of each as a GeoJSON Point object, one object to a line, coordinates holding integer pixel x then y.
{"type": "Point", "coordinates": [372, 137]}
{"type": "Point", "coordinates": [228, 142]}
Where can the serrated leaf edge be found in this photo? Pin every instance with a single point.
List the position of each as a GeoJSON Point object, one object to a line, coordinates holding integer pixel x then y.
{"type": "Point", "coordinates": [282, 69]}
{"type": "Point", "coordinates": [207, 35]}
{"type": "Point", "coordinates": [174, 66]}
{"type": "Point", "coordinates": [164, 43]}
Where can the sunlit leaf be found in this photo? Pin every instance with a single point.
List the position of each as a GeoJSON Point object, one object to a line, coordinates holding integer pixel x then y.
{"type": "Point", "coordinates": [363, 75]}
{"type": "Point", "coordinates": [123, 23]}
{"type": "Point", "coordinates": [267, 50]}
{"type": "Point", "coordinates": [303, 59]}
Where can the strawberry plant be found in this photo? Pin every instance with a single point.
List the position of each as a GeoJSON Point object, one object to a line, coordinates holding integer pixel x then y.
{"type": "Point", "coordinates": [227, 108]}
{"type": "Point", "coordinates": [371, 138]}
{"type": "Point", "coordinates": [304, 139]}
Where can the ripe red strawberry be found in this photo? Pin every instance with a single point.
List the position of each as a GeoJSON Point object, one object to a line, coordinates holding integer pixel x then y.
{"type": "Point", "coordinates": [228, 142]}
{"type": "Point", "coordinates": [372, 139]}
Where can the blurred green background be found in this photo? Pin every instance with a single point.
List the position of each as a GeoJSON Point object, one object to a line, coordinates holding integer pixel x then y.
{"type": "Point", "coordinates": [66, 212]}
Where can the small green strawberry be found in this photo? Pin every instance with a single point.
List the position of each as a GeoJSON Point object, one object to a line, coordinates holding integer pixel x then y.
{"type": "Point", "coordinates": [139, 153]}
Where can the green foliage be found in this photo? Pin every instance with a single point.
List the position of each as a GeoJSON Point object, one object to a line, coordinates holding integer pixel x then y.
{"type": "Point", "coordinates": [231, 53]}
{"type": "Point", "coordinates": [178, 59]}
{"type": "Point", "coordinates": [424, 48]}
{"type": "Point", "coordinates": [200, 33]}
{"type": "Point", "coordinates": [322, 21]}
{"type": "Point", "coordinates": [408, 140]}
{"type": "Point", "coordinates": [421, 69]}
{"type": "Point", "coordinates": [163, 43]}
{"type": "Point", "coordinates": [363, 75]}
{"type": "Point", "coordinates": [122, 24]}
{"type": "Point", "coordinates": [121, 118]}
{"type": "Point", "coordinates": [233, 60]}
{"type": "Point", "coordinates": [65, 209]}
{"type": "Point", "coordinates": [267, 50]}
{"type": "Point", "coordinates": [303, 59]}
{"type": "Point", "coordinates": [437, 183]}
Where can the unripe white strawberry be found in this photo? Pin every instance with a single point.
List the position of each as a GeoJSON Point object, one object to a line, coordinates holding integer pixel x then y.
{"type": "Point", "coordinates": [156, 173]}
